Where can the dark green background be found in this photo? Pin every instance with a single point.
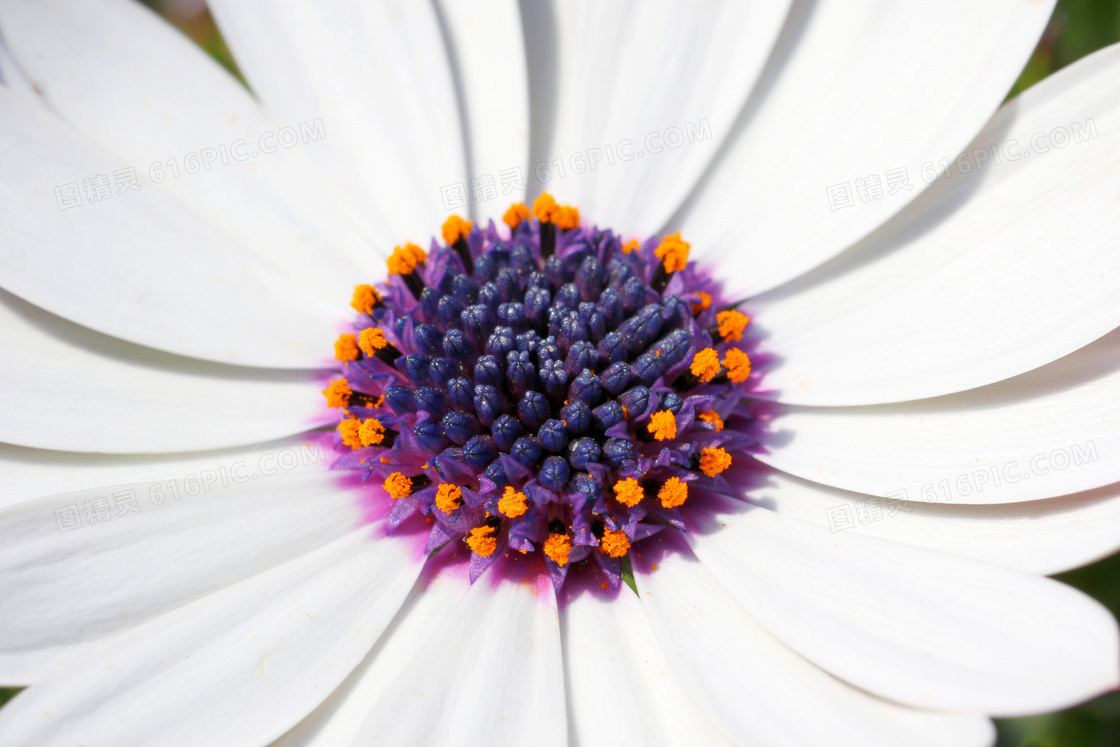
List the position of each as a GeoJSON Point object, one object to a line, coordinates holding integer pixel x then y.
{"type": "Point", "coordinates": [1077, 28]}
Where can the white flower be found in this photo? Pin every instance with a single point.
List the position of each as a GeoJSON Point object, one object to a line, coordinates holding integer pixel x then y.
{"type": "Point", "coordinates": [938, 288]}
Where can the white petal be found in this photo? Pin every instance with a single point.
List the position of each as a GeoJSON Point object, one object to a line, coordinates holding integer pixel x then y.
{"type": "Point", "coordinates": [12, 77]}
{"type": "Point", "coordinates": [84, 565]}
{"type": "Point", "coordinates": [338, 720]}
{"type": "Point", "coordinates": [157, 101]}
{"type": "Point", "coordinates": [237, 667]}
{"type": "Point", "coordinates": [987, 275]}
{"type": "Point", "coordinates": [853, 89]}
{"type": "Point", "coordinates": [1052, 431]}
{"type": "Point", "coordinates": [645, 94]}
{"type": "Point", "coordinates": [621, 687]}
{"type": "Point", "coordinates": [138, 265]}
{"type": "Point", "coordinates": [32, 473]}
{"type": "Point", "coordinates": [69, 388]}
{"type": "Point", "coordinates": [1046, 536]}
{"type": "Point", "coordinates": [492, 674]}
{"type": "Point", "coordinates": [487, 48]}
{"type": "Point", "coordinates": [757, 689]}
{"type": "Point", "coordinates": [915, 626]}
{"type": "Point", "coordinates": [377, 74]}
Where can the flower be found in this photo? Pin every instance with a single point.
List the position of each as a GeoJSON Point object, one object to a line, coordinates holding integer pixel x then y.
{"type": "Point", "coordinates": [929, 361]}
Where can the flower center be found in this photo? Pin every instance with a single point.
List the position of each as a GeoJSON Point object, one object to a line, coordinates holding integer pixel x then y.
{"type": "Point", "coordinates": [558, 391]}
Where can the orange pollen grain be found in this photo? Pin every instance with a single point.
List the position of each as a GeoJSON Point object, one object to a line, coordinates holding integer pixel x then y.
{"type": "Point", "coordinates": [455, 228]}
{"type": "Point", "coordinates": [712, 418]}
{"type": "Point", "coordinates": [663, 425]}
{"type": "Point", "coordinates": [512, 503]}
{"type": "Point", "coordinates": [371, 340]}
{"type": "Point", "coordinates": [545, 208]}
{"type": "Point", "coordinates": [673, 493]}
{"type": "Point", "coordinates": [630, 246]}
{"type": "Point", "coordinates": [371, 432]}
{"type": "Point", "coordinates": [405, 259]}
{"type": "Point", "coordinates": [558, 547]}
{"type": "Point", "coordinates": [714, 460]}
{"type": "Point", "coordinates": [567, 217]}
{"type": "Point", "coordinates": [705, 302]}
{"type": "Point", "coordinates": [338, 393]}
{"type": "Point", "coordinates": [614, 544]}
{"type": "Point", "coordinates": [346, 348]}
{"type": "Point", "coordinates": [517, 212]}
{"type": "Point", "coordinates": [628, 492]}
{"type": "Point", "coordinates": [397, 485]}
{"type": "Point", "coordinates": [448, 498]}
{"type": "Point", "coordinates": [738, 365]}
{"type": "Point", "coordinates": [365, 298]}
{"type": "Point", "coordinates": [705, 365]}
{"type": "Point", "coordinates": [673, 252]}
{"type": "Point", "coordinates": [482, 541]}
{"type": "Point", "coordinates": [731, 325]}
{"type": "Point", "coordinates": [348, 429]}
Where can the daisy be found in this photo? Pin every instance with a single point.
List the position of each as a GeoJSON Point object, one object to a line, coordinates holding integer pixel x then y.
{"type": "Point", "coordinates": [758, 418]}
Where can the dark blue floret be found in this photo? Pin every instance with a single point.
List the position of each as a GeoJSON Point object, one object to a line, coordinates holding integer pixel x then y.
{"type": "Point", "coordinates": [460, 427]}
{"type": "Point", "coordinates": [553, 436]}
{"type": "Point", "coordinates": [554, 473]}
{"type": "Point", "coordinates": [479, 451]}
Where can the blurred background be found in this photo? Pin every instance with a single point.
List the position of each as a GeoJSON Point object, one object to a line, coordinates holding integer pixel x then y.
{"type": "Point", "coordinates": [1077, 28]}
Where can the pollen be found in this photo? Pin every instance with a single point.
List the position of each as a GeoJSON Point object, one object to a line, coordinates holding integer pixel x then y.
{"type": "Point", "coordinates": [628, 492]}
{"type": "Point", "coordinates": [346, 348]}
{"type": "Point", "coordinates": [673, 493]}
{"type": "Point", "coordinates": [545, 208]}
{"type": "Point", "coordinates": [455, 228]}
{"type": "Point", "coordinates": [614, 544]}
{"type": "Point", "coordinates": [738, 365]}
{"type": "Point", "coordinates": [517, 212]}
{"type": "Point", "coordinates": [448, 498]}
{"type": "Point", "coordinates": [704, 303]}
{"type": "Point", "coordinates": [705, 365]}
{"type": "Point", "coordinates": [512, 503]}
{"type": "Point", "coordinates": [338, 393]}
{"type": "Point", "coordinates": [558, 547]}
{"type": "Point", "coordinates": [482, 541]}
{"type": "Point", "coordinates": [365, 298]}
{"type": "Point", "coordinates": [397, 485]}
{"type": "Point", "coordinates": [673, 252]}
{"type": "Point", "coordinates": [371, 340]}
{"type": "Point", "coordinates": [349, 429]}
{"type": "Point", "coordinates": [630, 246]}
{"type": "Point", "coordinates": [567, 217]}
{"type": "Point", "coordinates": [713, 461]}
{"type": "Point", "coordinates": [711, 417]}
{"type": "Point", "coordinates": [663, 425]}
{"type": "Point", "coordinates": [731, 325]}
{"type": "Point", "coordinates": [372, 432]}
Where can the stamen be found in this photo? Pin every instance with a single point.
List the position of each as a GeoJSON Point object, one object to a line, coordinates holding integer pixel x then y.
{"type": "Point", "coordinates": [673, 254]}
{"type": "Point", "coordinates": [630, 246]}
{"type": "Point", "coordinates": [349, 430]}
{"type": "Point", "coordinates": [705, 302]}
{"type": "Point", "coordinates": [730, 325]}
{"type": "Point", "coordinates": [512, 503]}
{"type": "Point", "coordinates": [404, 262]}
{"type": "Point", "coordinates": [346, 348]}
{"type": "Point", "coordinates": [483, 540]}
{"type": "Point", "coordinates": [712, 461]}
{"type": "Point", "coordinates": [448, 498]}
{"type": "Point", "coordinates": [546, 210]}
{"type": "Point", "coordinates": [399, 485]}
{"type": "Point", "coordinates": [455, 232]}
{"type": "Point", "coordinates": [374, 343]}
{"type": "Point", "coordinates": [705, 367]}
{"type": "Point", "coordinates": [712, 418]}
{"type": "Point", "coordinates": [516, 214]}
{"type": "Point", "coordinates": [567, 218]}
{"type": "Point", "coordinates": [614, 544]}
{"type": "Point", "coordinates": [662, 426]}
{"type": "Point", "coordinates": [338, 393]}
{"type": "Point", "coordinates": [738, 365]}
{"type": "Point", "coordinates": [373, 433]}
{"type": "Point", "coordinates": [366, 298]}
{"type": "Point", "coordinates": [673, 493]}
{"type": "Point", "coordinates": [558, 547]}
{"type": "Point", "coordinates": [629, 492]}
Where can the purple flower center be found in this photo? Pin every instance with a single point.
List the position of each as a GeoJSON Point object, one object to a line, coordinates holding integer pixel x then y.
{"type": "Point", "coordinates": [555, 392]}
